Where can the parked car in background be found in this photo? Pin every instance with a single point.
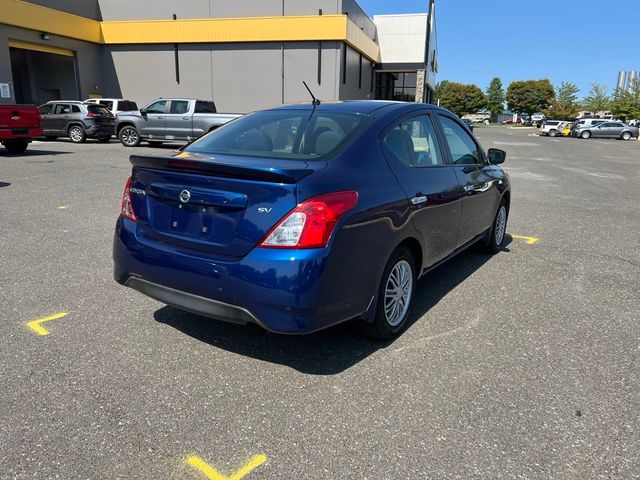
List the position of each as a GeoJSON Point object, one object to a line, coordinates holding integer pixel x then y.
{"type": "Point", "coordinates": [537, 117]}
{"type": "Point", "coordinates": [480, 117]}
{"type": "Point", "coordinates": [115, 105]}
{"type": "Point", "coordinates": [588, 122]}
{"type": "Point", "coordinates": [617, 130]}
{"type": "Point", "coordinates": [170, 120]}
{"type": "Point", "coordinates": [552, 128]}
{"type": "Point", "coordinates": [76, 120]}
{"type": "Point", "coordinates": [566, 128]}
{"type": "Point", "coordinates": [274, 219]}
{"type": "Point", "coordinates": [468, 123]}
{"type": "Point", "coordinates": [19, 124]}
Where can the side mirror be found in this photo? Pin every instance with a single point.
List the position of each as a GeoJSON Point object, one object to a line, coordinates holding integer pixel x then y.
{"type": "Point", "coordinates": [496, 156]}
{"type": "Point", "coordinates": [143, 112]}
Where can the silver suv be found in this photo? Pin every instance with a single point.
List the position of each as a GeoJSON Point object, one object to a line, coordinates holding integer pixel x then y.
{"type": "Point", "coordinates": [76, 120]}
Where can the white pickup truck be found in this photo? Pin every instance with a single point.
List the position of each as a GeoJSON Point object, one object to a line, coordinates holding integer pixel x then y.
{"type": "Point", "coordinates": [169, 120]}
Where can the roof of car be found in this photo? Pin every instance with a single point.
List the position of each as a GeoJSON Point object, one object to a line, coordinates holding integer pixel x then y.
{"type": "Point", "coordinates": [354, 106]}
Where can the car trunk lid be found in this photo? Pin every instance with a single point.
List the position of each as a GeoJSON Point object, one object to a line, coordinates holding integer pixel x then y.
{"type": "Point", "coordinates": [223, 205]}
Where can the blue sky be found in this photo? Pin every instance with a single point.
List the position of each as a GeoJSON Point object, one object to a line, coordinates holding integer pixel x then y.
{"type": "Point", "coordinates": [583, 41]}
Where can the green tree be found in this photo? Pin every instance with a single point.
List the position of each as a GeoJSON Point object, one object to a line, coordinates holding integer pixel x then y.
{"type": "Point", "coordinates": [460, 98]}
{"type": "Point", "coordinates": [626, 103]}
{"type": "Point", "coordinates": [530, 96]}
{"type": "Point", "coordinates": [495, 98]}
{"type": "Point", "coordinates": [565, 106]}
{"type": "Point", "coordinates": [598, 99]}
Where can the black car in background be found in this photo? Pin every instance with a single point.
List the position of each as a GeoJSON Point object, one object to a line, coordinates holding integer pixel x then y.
{"type": "Point", "coordinates": [76, 120]}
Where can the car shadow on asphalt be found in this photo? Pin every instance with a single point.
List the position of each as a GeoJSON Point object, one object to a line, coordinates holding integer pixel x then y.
{"type": "Point", "coordinates": [34, 153]}
{"type": "Point", "coordinates": [330, 351]}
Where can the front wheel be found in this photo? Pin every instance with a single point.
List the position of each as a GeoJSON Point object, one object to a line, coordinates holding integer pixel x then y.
{"type": "Point", "coordinates": [626, 136]}
{"type": "Point", "coordinates": [586, 134]}
{"type": "Point", "coordinates": [77, 135]}
{"type": "Point", "coordinates": [395, 295]}
{"type": "Point", "coordinates": [16, 146]}
{"type": "Point", "coordinates": [498, 230]}
{"type": "Point", "coordinates": [129, 137]}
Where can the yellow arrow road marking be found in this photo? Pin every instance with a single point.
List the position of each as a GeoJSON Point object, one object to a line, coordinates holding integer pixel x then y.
{"type": "Point", "coordinates": [530, 240]}
{"type": "Point", "coordinates": [213, 474]}
{"type": "Point", "coordinates": [35, 324]}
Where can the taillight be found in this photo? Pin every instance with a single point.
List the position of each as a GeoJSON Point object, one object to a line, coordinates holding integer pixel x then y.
{"type": "Point", "coordinates": [311, 223]}
{"type": "Point", "coordinates": [92, 115]}
{"type": "Point", "coordinates": [126, 208]}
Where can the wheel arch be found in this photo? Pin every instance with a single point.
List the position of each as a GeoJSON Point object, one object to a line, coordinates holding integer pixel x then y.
{"type": "Point", "coordinates": [125, 124]}
{"type": "Point", "coordinates": [415, 247]}
{"type": "Point", "coordinates": [70, 125]}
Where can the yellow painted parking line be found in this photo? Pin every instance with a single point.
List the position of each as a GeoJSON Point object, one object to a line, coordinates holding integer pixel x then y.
{"type": "Point", "coordinates": [35, 324]}
{"type": "Point", "coordinates": [529, 240]}
{"type": "Point", "coordinates": [62, 207]}
{"type": "Point", "coordinates": [212, 473]}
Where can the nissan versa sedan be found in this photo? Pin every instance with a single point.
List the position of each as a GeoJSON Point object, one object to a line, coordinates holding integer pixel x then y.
{"type": "Point", "coordinates": [300, 217]}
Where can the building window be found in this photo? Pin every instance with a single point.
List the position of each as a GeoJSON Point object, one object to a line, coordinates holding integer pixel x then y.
{"type": "Point", "coordinates": [396, 86]}
{"type": "Point", "coordinates": [360, 73]}
{"type": "Point", "coordinates": [344, 63]}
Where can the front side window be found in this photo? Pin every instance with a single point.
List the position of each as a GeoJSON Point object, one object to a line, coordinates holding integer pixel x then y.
{"type": "Point", "coordinates": [157, 107]}
{"type": "Point", "coordinates": [287, 134]}
{"type": "Point", "coordinates": [423, 143]}
{"type": "Point", "coordinates": [463, 149]}
{"type": "Point", "coordinates": [179, 107]}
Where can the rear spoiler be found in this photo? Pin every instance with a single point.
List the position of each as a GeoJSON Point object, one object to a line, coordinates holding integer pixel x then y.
{"type": "Point", "coordinates": [218, 168]}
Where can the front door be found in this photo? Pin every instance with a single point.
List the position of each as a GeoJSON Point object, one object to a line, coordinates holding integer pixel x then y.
{"type": "Point", "coordinates": [46, 112]}
{"type": "Point", "coordinates": [60, 118]}
{"type": "Point", "coordinates": [479, 179]}
{"type": "Point", "coordinates": [178, 121]}
{"type": "Point", "coordinates": [433, 194]}
{"type": "Point", "coordinates": [153, 125]}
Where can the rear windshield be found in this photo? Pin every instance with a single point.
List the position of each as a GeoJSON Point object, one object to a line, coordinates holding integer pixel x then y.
{"type": "Point", "coordinates": [127, 106]}
{"type": "Point", "coordinates": [288, 134]}
{"type": "Point", "coordinates": [98, 109]}
{"type": "Point", "coordinates": [552, 123]}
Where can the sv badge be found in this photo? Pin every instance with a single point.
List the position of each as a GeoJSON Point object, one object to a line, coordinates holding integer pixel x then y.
{"type": "Point", "coordinates": [264, 210]}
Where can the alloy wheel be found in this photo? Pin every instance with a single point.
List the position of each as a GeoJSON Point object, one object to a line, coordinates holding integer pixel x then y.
{"type": "Point", "coordinates": [76, 134]}
{"type": "Point", "coordinates": [129, 136]}
{"type": "Point", "coordinates": [397, 294]}
{"type": "Point", "coordinates": [501, 225]}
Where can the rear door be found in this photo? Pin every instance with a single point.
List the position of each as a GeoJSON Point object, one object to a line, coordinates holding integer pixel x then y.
{"type": "Point", "coordinates": [178, 120]}
{"type": "Point", "coordinates": [416, 158]}
{"type": "Point", "coordinates": [478, 179]}
{"type": "Point", "coordinates": [153, 125]}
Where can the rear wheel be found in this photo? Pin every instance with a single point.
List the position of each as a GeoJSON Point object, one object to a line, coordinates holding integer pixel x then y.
{"type": "Point", "coordinates": [129, 137]}
{"type": "Point", "coordinates": [626, 135]}
{"type": "Point", "coordinates": [76, 134]}
{"type": "Point", "coordinates": [498, 230]}
{"type": "Point", "coordinates": [553, 133]}
{"type": "Point", "coordinates": [586, 134]}
{"type": "Point", "coordinates": [16, 146]}
{"type": "Point", "coordinates": [395, 294]}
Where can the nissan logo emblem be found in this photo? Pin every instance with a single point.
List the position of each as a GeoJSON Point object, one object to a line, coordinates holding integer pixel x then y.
{"type": "Point", "coordinates": [185, 196]}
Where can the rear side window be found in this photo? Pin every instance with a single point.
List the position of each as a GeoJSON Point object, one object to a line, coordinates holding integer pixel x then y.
{"type": "Point", "coordinates": [288, 134]}
{"type": "Point", "coordinates": [396, 145]}
{"type": "Point", "coordinates": [127, 106]}
{"type": "Point", "coordinates": [61, 108]}
{"type": "Point", "coordinates": [205, 107]}
{"type": "Point", "coordinates": [179, 106]}
{"type": "Point", "coordinates": [109, 105]}
{"type": "Point", "coordinates": [423, 143]}
{"type": "Point", "coordinates": [552, 123]}
{"type": "Point", "coordinates": [463, 149]}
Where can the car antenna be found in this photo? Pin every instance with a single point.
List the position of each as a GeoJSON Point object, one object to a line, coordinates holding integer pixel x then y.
{"type": "Point", "coordinates": [315, 102]}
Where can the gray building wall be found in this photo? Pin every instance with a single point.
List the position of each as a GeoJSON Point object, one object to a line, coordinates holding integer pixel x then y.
{"type": "Point", "coordinates": [88, 61]}
{"type": "Point", "coordinates": [83, 8]}
{"type": "Point", "coordinates": [351, 88]}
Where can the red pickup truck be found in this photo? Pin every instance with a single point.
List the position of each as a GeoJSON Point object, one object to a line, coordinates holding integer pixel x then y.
{"type": "Point", "coordinates": [18, 125]}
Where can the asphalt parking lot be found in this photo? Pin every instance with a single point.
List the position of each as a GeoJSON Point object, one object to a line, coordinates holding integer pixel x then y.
{"type": "Point", "coordinates": [521, 365]}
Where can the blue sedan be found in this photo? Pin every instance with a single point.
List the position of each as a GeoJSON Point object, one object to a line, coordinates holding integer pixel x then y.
{"type": "Point", "coordinates": [300, 217]}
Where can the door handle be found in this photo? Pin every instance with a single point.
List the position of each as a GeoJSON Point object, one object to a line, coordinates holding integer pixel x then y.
{"type": "Point", "coordinates": [160, 118]}
{"type": "Point", "coordinates": [419, 199]}
{"type": "Point", "coordinates": [186, 118]}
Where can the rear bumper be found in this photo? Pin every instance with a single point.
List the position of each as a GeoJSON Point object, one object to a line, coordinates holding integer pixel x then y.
{"type": "Point", "coordinates": [8, 134]}
{"type": "Point", "coordinates": [98, 130]}
{"type": "Point", "coordinates": [282, 291]}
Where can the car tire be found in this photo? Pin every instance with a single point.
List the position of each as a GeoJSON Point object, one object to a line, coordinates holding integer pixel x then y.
{"type": "Point", "coordinates": [585, 135]}
{"type": "Point", "coordinates": [392, 312]}
{"type": "Point", "coordinates": [50, 138]}
{"type": "Point", "coordinates": [104, 138]}
{"type": "Point", "coordinates": [498, 233]}
{"type": "Point", "coordinates": [129, 137]}
{"type": "Point", "coordinates": [626, 136]}
{"type": "Point", "coordinates": [155, 144]}
{"type": "Point", "coordinates": [553, 133]}
{"type": "Point", "coordinates": [486, 122]}
{"type": "Point", "coordinates": [16, 146]}
{"type": "Point", "coordinates": [76, 134]}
